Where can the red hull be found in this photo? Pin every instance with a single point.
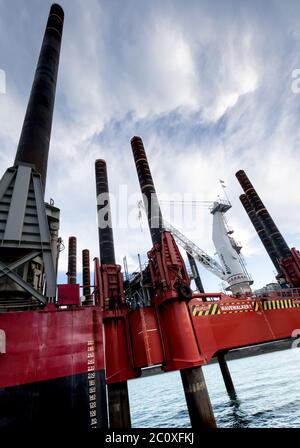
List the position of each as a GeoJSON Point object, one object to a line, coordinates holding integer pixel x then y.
{"type": "Point", "coordinates": [230, 324]}
{"type": "Point", "coordinates": [51, 343]}
{"type": "Point", "coordinates": [219, 325]}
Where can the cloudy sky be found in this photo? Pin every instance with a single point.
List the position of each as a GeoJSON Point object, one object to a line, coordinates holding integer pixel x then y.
{"type": "Point", "coordinates": [206, 84]}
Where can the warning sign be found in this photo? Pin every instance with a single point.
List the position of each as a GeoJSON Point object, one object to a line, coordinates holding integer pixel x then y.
{"type": "Point", "coordinates": [206, 309]}
{"type": "Point", "coordinates": [235, 307]}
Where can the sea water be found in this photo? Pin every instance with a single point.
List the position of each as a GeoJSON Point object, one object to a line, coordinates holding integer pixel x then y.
{"type": "Point", "coordinates": [267, 386]}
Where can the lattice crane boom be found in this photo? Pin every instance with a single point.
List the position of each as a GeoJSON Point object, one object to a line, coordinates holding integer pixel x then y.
{"type": "Point", "coordinates": [199, 254]}
{"type": "Point", "coordinates": [195, 251]}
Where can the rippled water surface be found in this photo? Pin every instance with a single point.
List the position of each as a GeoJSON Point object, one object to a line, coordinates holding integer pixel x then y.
{"type": "Point", "coordinates": [268, 389]}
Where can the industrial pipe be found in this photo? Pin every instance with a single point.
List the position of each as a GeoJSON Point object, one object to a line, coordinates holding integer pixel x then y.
{"type": "Point", "coordinates": [196, 394]}
{"type": "Point", "coordinates": [195, 272]}
{"type": "Point", "coordinates": [226, 375]}
{"type": "Point", "coordinates": [221, 356]}
{"type": "Point", "coordinates": [106, 239]}
{"type": "Point", "coordinates": [86, 277]}
{"type": "Point", "coordinates": [262, 213]}
{"type": "Point", "coordinates": [148, 191]}
{"type": "Point", "coordinates": [266, 241]}
{"type": "Point", "coordinates": [34, 141]}
{"type": "Point", "coordinates": [72, 264]}
{"type": "Point", "coordinates": [118, 397]}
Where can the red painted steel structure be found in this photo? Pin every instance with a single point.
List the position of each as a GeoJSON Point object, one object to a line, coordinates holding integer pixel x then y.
{"type": "Point", "coordinates": [51, 358]}
{"type": "Point", "coordinates": [291, 267]}
{"type": "Point", "coordinates": [50, 343]}
{"type": "Point", "coordinates": [118, 354]}
{"type": "Point", "coordinates": [191, 331]}
{"type": "Point", "coordinates": [68, 294]}
{"type": "Point", "coordinates": [180, 330]}
{"type": "Point", "coordinates": [52, 366]}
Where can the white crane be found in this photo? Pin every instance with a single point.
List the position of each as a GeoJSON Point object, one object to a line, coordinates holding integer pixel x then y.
{"type": "Point", "coordinates": [231, 268]}
{"type": "Point", "coordinates": [228, 250]}
{"type": "Point", "coordinates": [206, 260]}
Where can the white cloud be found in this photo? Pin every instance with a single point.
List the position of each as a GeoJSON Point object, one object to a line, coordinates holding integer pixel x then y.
{"type": "Point", "coordinates": [207, 87]}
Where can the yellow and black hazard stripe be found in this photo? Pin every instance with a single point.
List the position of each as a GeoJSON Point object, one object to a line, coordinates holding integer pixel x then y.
{"type": "Point", "coordinates": [212, 309]}
{"type": "Point", "coordinates": [215, 309]}
{"type": "Point", "coordinates": [239, 308]}
{"type": "Point", "coordinates": [255, 306]}
{"type": "Point", "coordinates": [235, 311]}
{"type": "Point", "coordinates": [209, 311]}
{"type": "Point", "coordinates": [280, 304]}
